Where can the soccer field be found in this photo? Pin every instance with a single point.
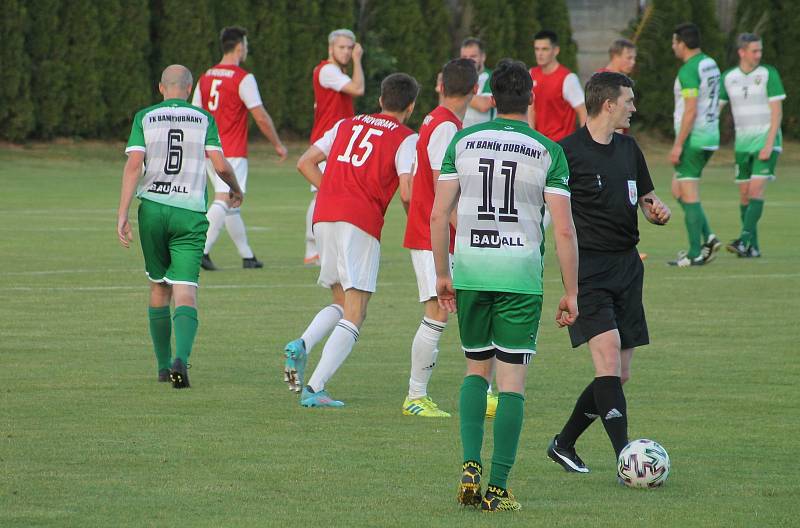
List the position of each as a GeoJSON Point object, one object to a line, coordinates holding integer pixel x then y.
{"type": "Point", "coordinates": [89, 438]}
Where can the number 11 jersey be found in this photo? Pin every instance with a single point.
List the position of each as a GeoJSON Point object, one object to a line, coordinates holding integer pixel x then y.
{"type": "Point", "coordinates": [504, 168]}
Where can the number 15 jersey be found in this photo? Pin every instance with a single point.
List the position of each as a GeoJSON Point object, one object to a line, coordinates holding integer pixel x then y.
{"type": "Point", "coordinates": [504, 168]}
{"type": "Point", "coordinates": [366, 154]}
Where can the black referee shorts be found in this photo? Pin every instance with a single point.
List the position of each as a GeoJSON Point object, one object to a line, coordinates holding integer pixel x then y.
{"type": "Point", "coordinates": [609, 297]}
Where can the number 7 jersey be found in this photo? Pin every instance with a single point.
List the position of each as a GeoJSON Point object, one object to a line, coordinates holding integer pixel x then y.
{"type": "Point", "coordinates": [503, 168]}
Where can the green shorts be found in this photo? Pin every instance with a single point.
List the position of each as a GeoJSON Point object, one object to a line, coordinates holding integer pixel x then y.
{"type": "Point", "coordinates": [749, 166]}
{"type": "Point", "coordinates": [506, 321]}
{"type": "Point", "coordinates": [693, 159]}
{"type": "Point", "coordinates": [172, 240]}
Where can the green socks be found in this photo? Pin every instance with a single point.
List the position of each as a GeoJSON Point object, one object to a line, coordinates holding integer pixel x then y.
{"type": "Point", "coordinates": [742, 212]}
{"type": "Point", "coordinates": [751, 217]}
{"type": "Point", "coordinates": [161, 333]}
{"type": "Point", "coordinates": [472, 412]}
{"type": "Point", "coordinates": [694, 227]}
{"type": "Point", "coordinates": [507, 428]}
{"type": "Point", "coordinates": [185, 321]}
{"type": "Point", "coordinates": [704, 229]}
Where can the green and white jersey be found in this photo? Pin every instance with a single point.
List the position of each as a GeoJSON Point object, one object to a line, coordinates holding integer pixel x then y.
{"type": "Point", "coordinates": [750, 95]}
{"type": "Point", "coordinates": [503, 168]}
{"type": "Point", "coordinates": [174, 137]}
{"type": "Point", "coordinates": [473, 117]}
{"type": "Point", "coordinates": [699, 77]}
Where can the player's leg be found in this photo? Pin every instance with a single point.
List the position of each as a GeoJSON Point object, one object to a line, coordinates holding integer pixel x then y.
{"type": "Point", "coordinates": [216, 214]}
{"type": "Point", "coordinates": [703, 245]}
{"type": "Point", "coordinates": [234, 223]}
{"type": "Point", "coordinates": [160, 320]}
{"type": "Point", "coordinates": [626, 357]}
{"type": "Point", "coordinates": [763, 172]}
{"type": "Point", "coordinates": [312, 253]}
{"type": "Point", "coordinates": [744, 170]}
{"type": "Point", "coordinates": [425, 345]}
{"type": "Point", "coordinates": [608, 394]}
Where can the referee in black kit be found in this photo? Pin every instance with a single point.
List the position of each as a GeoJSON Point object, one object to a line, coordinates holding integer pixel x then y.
{"type": "Point", "coordinates": [609, 181]}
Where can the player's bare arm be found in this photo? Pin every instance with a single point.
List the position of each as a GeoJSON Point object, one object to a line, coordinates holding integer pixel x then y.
{"type": "Point", "coordinates": [567, 252]}
{"type": "Point", "coordinates": [775, 118]}
{"type": "Point", "coordinates": [308, 165]}
{"type": "Point", "coordinates": [404, 188]}
{"type": "Point", "coordinates": [687, 122]}
{"type": "Point", "coordinates": [130, 176]}
{"type": "Point", "coordinates": [482, 103]}
{"type": "Point", "coordinates": [444, 203]}
{"type": "Point", "coordinates": [356, 86]}
{"type": "Point", "coordinates": [267, 127]}
{"type": "Point", "coordinates": [226, 174]}
{"type": "Point", "coordinates": [531, 116]}
{"type": "Point", "coordinates": [654, 210]}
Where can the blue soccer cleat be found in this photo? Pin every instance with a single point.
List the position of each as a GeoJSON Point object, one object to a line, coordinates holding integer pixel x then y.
{"type": "Point", "coordinates": [318, 399]}
{"type": "Point", "coordinates": [295, 366]}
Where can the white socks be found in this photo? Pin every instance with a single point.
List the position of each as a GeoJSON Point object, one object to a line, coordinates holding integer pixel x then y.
{"type": "Point", "coordinates": [311, 246]}
{"type": "Point", "coordinates": [321, 325]}
{"type": "Point", "coordinates": [424, 351]}
{"type": "Point", "coordinates": [235, 226]}
{"type": "Point", "coordinates": [216, 219]}
{"type": "Point", "coordinates": [336, 350]}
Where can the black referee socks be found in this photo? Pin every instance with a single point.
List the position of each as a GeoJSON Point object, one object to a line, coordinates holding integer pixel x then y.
{"type": "Point", "coordinates": [584, 413]}
{"type": "Point", "coordinates": [611, 407]}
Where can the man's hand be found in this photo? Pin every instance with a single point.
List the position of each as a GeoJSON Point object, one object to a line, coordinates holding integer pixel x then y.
{"type": "Point", "coordinates": [675, 154]}
{"type": "Point", "coordinates": [765, 153]}
{"type": "Point", "coordinates": [567, 311]}
{"type": "Point", "coordinates": [358, 52]}
{"type": "Point", "coordinates": [445, 294]}
{"type": "Point", "coordinates": [124, 231]}
{"type": "Point", "coordinates": [281, 151]}
{"type": "Point", "coordinates": [235, 197]}
{"type": "Point", "coordinates": [657, 211]}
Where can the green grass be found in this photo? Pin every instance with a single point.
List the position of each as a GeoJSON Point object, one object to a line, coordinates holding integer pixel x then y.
{"type": "Point", "coordinates": [88, 438]}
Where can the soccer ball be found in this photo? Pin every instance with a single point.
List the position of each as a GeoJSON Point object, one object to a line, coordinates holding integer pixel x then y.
{"type": "Point", "coordinates": [643, 463]}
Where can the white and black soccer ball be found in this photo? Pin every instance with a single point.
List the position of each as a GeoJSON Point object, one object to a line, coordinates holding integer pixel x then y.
{"type": "Point", "coordinates": [643, 463]}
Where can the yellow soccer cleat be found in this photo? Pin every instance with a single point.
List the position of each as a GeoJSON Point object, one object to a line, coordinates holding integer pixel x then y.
{"type": "Point", "coordinates": [498, 500]}
{"type": "Point", "coordinates": [424, 407]}
{"type": "Point", "coordinates": [491, 404]}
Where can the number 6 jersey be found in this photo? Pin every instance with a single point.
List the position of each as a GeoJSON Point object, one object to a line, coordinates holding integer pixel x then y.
{"type": "Point", "coordinates": [174, 137]}
{"type": "Point", "coordinates": [504, 168]}
{"type": "Point", "coordinates": [366, 154]}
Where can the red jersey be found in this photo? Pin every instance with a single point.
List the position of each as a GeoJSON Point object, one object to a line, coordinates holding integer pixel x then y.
{"type": "Point", "coordinates": [418, 227]}
{"type": "Point", "coordinates": [329, 106]}
{"type": "Point", "coordinates": [228, 91]}
{"type": "Point", "coordinates": [366, 154]}
{"type": "Point", "coordinates": [555, 97]}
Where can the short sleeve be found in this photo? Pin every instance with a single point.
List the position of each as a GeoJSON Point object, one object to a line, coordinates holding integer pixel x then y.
{"type": "Point", "coordinates": [439, 141]}
{"type": "Point", "coordinates": [136, 139]}
{"type": "Point", "coordinates": [689, 79]}
{"type": "Point", "coordinates": [571, 90]}
{"type": "Point", "coordinates": [557, 181]}
{"type": "Point", "coordinates": [775, 91]}
{"type": "Point", "coordinates": [212, 135]}
{"type": "Point", "coordinates": [406, 155]}
{"type": "Point", "coordinates": [197, 97]}
{"type": "Point", "coordinates": [330, 76]}
{"type": "Point", "coordinates": [644, 183]}
{"type": "Point", "coordinates": [723, 91]}
{"type": "Point", "coordinates": [248, 92]}
{"type": "Point", "coordinates": [448, 170]}
{"type": "Point", "coordinates": [487, 86]}
{"type": "Point", "coordinates": [325, 143]}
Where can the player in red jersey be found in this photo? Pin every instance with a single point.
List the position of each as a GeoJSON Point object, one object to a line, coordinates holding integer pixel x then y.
{"type": "Point", "coordinates": [557, 92]}
{"type": "Point", "coordinates": [621, 57]}
{"type": "Point", "coordinates": [229, 93]}
{"type": "Point", "coordinates": [367, 155]}
{"type": "Point", "coordinates": [334, 91]}
{"type": "Point", "coordinates": [459, 85]}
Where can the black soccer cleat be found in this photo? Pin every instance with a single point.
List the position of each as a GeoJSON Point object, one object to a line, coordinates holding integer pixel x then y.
{"type": "Point", "coordinates": [163, 375]}
{"type": "Point", "coordinates": [710, 248]}
{"type": "Point", "coordinates": [738, 248]}
{"type": "Point", "coordinates": [469, 488]}
{"type": "Point", "coordinates": [206, 263]}
{"type": "Point", "coordinates": [499, 500]}
{"type": "Point", "coordinates": [252, 263]}
{"type": "Point", "coordinates": [179, 375]}
{"type": "Point", "coordinates": [753, 252]}
{"type": "Point", "coordinates": [566, 457]}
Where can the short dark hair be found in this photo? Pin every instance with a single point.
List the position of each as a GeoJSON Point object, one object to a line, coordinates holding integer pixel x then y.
{"type": "Point", "coordinates": [473, 41]}
{"type": "Point", "coordinates": [602, 87]}
{"type": "Point", "coordinates": [547, 34]}
{"type": "Point", "coordinates": [618, 46]}
{"type": "Point", "coordinates": [230, 37]}
{"type": "Point", "coordinates": [398, 90]}
{"type": "Point", "coordinates": [689, 34]}
{"type": "Point", "coordinates": [459, 77]}
{"type": "Point", "coordinates": [745, 39]}
{"type": "Point", "coordinates": [511, 87]}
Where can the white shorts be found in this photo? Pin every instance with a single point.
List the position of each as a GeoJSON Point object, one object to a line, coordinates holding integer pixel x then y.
{"type": "Point", "coordinates": [425, 270]}
{"type": "Point", "coordinates": [239, 168]}
{"type": "Point", "coordinates": [347, 256]}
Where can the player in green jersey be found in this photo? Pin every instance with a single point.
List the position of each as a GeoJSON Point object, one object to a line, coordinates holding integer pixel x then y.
{"type": "Point", "coordinates": [756, 94]}
{"type": "Point", "coordinates": [500, 174]}
{"type": "Point", "coordinates": [696, 138]}
{"type": "Point", "coordinates": [166, 169]}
